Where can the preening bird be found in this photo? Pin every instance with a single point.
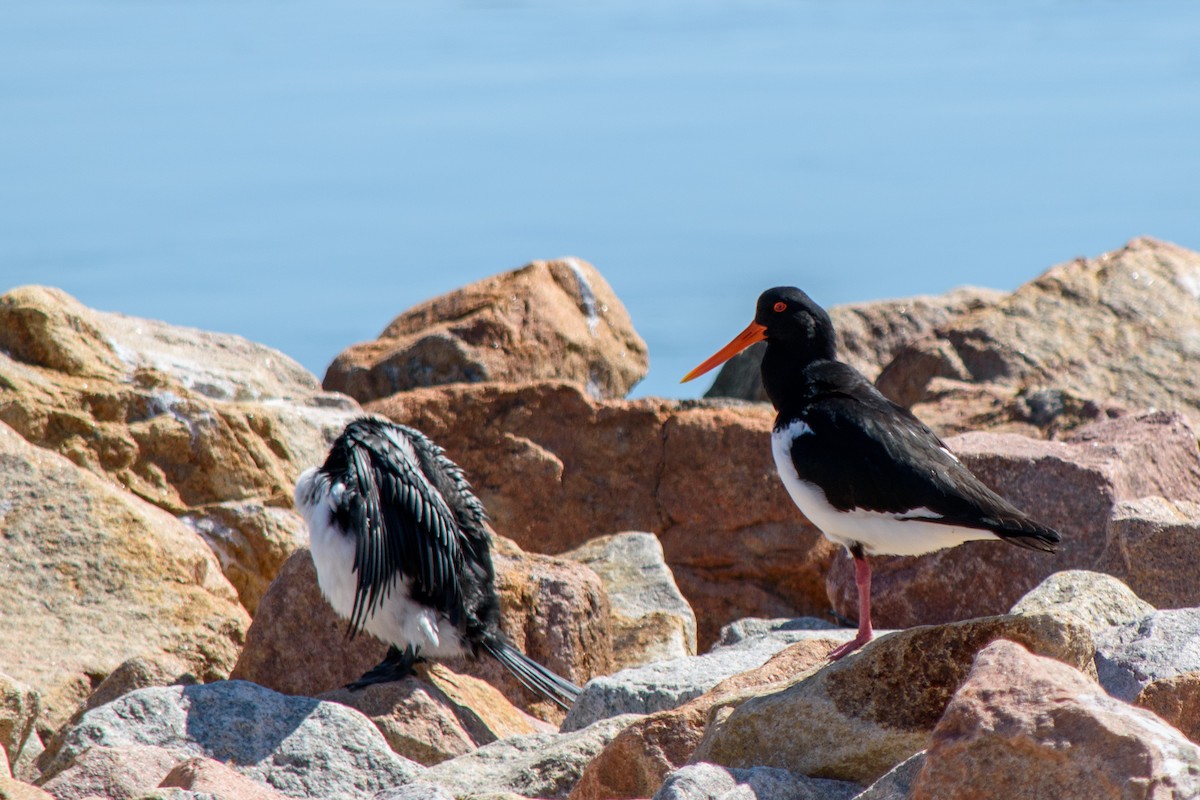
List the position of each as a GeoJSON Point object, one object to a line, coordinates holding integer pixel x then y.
{"type": "Point", "coordinates": [403, 551]}
{"type": "Point", "coordinates": [863, 469]}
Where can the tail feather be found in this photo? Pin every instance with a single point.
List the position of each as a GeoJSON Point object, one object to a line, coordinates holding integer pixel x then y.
{"type": "Point", "coordinates": [532, 675]}
{"type": "Point", "coordinates": [1033, 537]}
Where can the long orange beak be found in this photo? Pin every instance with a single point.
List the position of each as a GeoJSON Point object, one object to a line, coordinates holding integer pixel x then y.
{"type": "Point", "coordinates": [753, 333]}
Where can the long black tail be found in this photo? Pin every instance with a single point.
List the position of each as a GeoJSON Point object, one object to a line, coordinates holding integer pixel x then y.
{"type": "Point", "coordinates": [532, 675]}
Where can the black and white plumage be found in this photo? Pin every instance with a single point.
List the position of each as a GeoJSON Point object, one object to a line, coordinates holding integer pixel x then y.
{"type": "Point", "coordinates": [863, 469]}
{"type": "Point", "coordinates": [403, 551]}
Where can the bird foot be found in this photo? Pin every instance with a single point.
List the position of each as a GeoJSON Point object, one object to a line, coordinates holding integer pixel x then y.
{"type": "Point", "coordinates": [394, 667]}
{"type": "Point", "coordinates": [850, 646]}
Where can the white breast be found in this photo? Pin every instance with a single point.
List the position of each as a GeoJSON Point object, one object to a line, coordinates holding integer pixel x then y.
{"type": "Point", "coordinates": [902, 534]}
{"type": "Point", "coordinates": [399, 620]}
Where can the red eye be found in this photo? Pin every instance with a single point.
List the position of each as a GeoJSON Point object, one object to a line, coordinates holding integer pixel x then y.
{"type": "Point", "coordinates": [781, 306]}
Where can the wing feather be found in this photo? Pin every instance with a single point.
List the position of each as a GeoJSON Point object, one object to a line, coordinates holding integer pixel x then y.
{"type": "Point", "coordinates": [403, 525]}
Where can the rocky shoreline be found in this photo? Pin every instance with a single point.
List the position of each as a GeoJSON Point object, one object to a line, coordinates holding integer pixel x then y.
{"type": "Point", "coordinates": [163, 636]}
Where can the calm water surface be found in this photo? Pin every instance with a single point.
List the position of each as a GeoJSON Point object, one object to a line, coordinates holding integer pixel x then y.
{"type": "Point", "coordinates": [301, 172]}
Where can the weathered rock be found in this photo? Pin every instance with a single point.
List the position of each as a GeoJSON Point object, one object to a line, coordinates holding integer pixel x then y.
{"type": "Point", "coordinates": [711, 782]}
{"type": "Point", "coordinates": [556, 469]}
{"type": "Point", "coordinates": [80, 554]}
{"type": "Point", "coordinates": [790, 630]}
{"type": "Point", "coordinates": [252, 540]}
{"type": "Point", "coordinates": [1160, 645]}
{"type": "Point", "coordinates": [858, 717]}
{"type": "Point", "coordinates": [118, 772]}
{"type": "Point", "coordinates": [555, 610]}
{"type": "Point", "coordinates": [651, 619]}
{"type": "Point", "coordinates": [1073, 330]}
{"type": "Point", "coordinates": [1177, 700]}
{"type": "Point", "coordinates": [896, 784]}
{"type": "Point", "coordinates": [1071, 485]}
{"type": "Point", "coordinates": [204, 775]}
{"type": "Point", "coordinates": [549, 320]}
{"type": "Point", "coordinates": [19, 709]}
{"type": "Point", "coordinates": [1154, 546]}
{"type": "Point", "coordinates": [669, 684]}
{"type": "Point", "coordinates": [438, 715]}
{"type": "Point", "coordinates": [423, 790]}
{"type": "Point", "coordinates": [297, 745]}
{"type": "Point", "coordinates": [206, 425]}
{"type": "Point", "coordinates": [1099, 601]}
{"type": "Point", "coordinates": [868, 336]}
{"type": "Point", "coordinates": [140, 673]}
{"type": "Point", "coordinates": [635, 763]}
{"type": "Point", "coordinates": [11, 789]}
{"type": "Point", "coordinates": [1028, 727]}
{"type": "Point", "coordinates": [544, 765]}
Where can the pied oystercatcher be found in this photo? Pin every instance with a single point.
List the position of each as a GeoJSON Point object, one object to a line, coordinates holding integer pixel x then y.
{"type": "Point", "coordinates": [403, 551]}
{"type": "Point", "coordinates": [864, 470]}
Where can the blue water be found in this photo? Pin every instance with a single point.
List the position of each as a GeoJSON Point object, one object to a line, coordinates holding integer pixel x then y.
{"type": "Point", "coordinates": [301, 172]}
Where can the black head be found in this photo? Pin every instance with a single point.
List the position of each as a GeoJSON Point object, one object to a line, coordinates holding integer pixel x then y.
{"type": "Point", "coordinates": [796, 329]}
{"type": "Point", "coordinates": [791, 318]}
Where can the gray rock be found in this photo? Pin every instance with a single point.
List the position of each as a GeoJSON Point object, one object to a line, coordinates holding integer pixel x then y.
{"type": "Point", "coordinates": [792, 630]}
{"type": "Point", "coordinates": [417, 790]}
{"type": "Point", "coordinates": [1099, 601]}
{"type": "Point", "coordinates": [712, 782]}
{"type": "Point", "coordinates": [297, 745]}
{"type": "Point", "coordinates": [668, 684]}
{"type": "Point", "coordinates": [1161, 645]}
{"type": "Point", "coordinates": [897, 784]}
{"type": "Point", "coordinates": [545, 765]}
{"type": "Point", "coordinates": [651, 619]}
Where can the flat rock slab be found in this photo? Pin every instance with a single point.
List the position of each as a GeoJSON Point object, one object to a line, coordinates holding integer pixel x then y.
{"type": "Point", "coordinates": [668, 684]}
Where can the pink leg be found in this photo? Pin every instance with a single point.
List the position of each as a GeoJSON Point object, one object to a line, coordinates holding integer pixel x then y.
{"type": "Point", "coordinates": [862, 578]}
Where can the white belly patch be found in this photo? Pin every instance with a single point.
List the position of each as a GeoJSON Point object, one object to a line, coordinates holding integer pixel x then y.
{"type": "Point", "coordinates": [901, 534]}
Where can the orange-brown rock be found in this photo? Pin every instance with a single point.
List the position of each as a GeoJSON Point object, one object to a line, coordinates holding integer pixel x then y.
{"type": "Point", "coordinates": [11, 789]}
{"type": "Point", "coordinates": [554, 610]}
{"type": "Point", "coordinates": [206, 426]}
{"type": "Point", "coordinates": [438, 714]}
{"type": "Point", "coordinates": [548, 320]}
{"type": "Point", "coordinates": [206, 776]}
{"type": "Point", "coordinates": [635, 763]}
{"type": "Point", "coordinates": [93, 576]}
{"type": "Point", "coordinates": [1177, 700]}
{"type": "Point", "coordinates": [1121, 328]}
{"type": "Point", "coordinates": [868, 336]}
{"type": "Point", "coordinates": [857, 718]}
{"type": "Point", "coordinates": [122, 771]}
{"type": "Point", "coordinates": [1072, 485]}
{"type": "Point", "coordinates": [1022, 726]}
{"type": "Point", "coordinates": [555, 468]}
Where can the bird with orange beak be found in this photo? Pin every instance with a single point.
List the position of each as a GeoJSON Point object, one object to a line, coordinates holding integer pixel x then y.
{"type": "Point", "coordinates": [866, 471]}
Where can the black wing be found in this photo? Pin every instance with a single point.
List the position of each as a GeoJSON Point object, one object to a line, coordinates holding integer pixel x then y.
{"type": "Point", "coordinates": [867, 452]}
{"type": "Point", "coordinates": [403, 525]}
